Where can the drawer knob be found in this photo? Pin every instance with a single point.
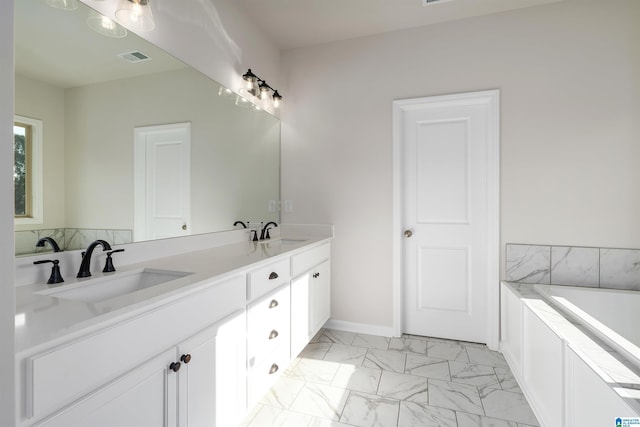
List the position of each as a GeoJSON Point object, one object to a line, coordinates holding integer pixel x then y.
{"type": "Point", "coordinates": [273, 334]}
{"type": "Point", "coordinates": [273, 369]}
{"type": "Point", "coordinates": [273, 275]}
{"type": "Point", "coordinates": [186, 358]}
{"type": "Point", "coordinates": [273, 303]}
{"type": "Point", "coordinates": [175, 366]}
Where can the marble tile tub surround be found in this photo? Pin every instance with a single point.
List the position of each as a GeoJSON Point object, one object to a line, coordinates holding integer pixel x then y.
{"type": "Point", "coordinates": [608, 268]}
{"type": "Point", "coordinates": [347, 379]}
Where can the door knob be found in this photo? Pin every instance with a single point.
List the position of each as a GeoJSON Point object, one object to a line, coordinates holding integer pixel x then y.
{"type": "Point", "coordinates": [408, 233]}
{"type": "Point", "coordinates": [184, 226]}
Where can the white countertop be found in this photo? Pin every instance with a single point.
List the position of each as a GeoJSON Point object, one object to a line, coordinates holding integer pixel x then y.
{"type": "Point", "coordinates": [42, 321]}
{"type": "Point", "coordinates": [612, 367]}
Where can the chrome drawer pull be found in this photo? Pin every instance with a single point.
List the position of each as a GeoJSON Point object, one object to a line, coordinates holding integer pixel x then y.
{"type": "Point", "coordinates": [274, 368]}
{"type": "Point", "coordinates": [273, 303]}
{"type": "Point", "coordinates": [273, 275]}
{"type": "Point", "coordinates": [273, 334]}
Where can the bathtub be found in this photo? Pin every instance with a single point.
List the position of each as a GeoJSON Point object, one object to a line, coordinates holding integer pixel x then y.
{"type": "Point", "coordinates": [573, 351]}
{"type": "Point", "coordinates": [611, 315]}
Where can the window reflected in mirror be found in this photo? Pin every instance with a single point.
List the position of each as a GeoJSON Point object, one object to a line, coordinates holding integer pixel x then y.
{"type": "Point", "coordinates": [22, 169]}
{"type": "Point", "coordinates": [27, 149]}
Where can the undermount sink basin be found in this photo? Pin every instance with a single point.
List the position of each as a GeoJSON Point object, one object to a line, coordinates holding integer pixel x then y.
{"type": "Point", "coordinates": [104, 288]}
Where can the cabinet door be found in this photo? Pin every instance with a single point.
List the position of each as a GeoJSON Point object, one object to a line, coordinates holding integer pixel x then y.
{"type": "Point", "coordinates": [145, 397]}
{"type": "Point", "coordinates": [320, 300]}
{"type": "Point", "coordinates": [212, 389]}
{"type": "Point", "coordinates": [310, 305]}
{"type": "Point", "coordinates": [300, 316]}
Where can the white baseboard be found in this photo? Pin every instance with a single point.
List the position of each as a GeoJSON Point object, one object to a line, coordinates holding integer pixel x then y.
{"type": "Point", "coordinates": [360, 328]}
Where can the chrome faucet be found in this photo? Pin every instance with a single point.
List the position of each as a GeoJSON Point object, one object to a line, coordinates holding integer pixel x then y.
{"type": "Point", "coordinates": [86, 258]}
{"type": "Point", "coordinates": [54, 245]}
{"type": "Point", "coordinates": [265, 230]}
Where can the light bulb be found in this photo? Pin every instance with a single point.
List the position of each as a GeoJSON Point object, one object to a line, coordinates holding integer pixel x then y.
{"type": "Point", "coordinates": [105, 26]}
{"type": "Point", "coordinates": [276, 99]}
{"type": "Point", "coordinates": [135, 14]}
{"type": "Point", "coordinates": [107, 23]}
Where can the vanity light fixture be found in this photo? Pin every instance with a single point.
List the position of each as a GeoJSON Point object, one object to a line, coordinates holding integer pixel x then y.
{"type": "Point", "coordinates": [259, 88]}
{"type": "Point", "coordinates": [105, 26]}
{"type": "Point", "coordinates": [135, 15]}
{"type": "Point", "coordinates": [63, 4]}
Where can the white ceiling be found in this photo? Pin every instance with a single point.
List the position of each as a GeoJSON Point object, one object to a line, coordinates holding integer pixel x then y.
{"type": "Point", "coordinates": [299, 23]}
{"type": "Point", "coordinates": [57, 46]}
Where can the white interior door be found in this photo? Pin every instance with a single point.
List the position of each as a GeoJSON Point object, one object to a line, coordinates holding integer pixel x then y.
{"type": "Point", "coordinates": [445, 196]}
{"type": "Point", "coordinates": [162, 181]}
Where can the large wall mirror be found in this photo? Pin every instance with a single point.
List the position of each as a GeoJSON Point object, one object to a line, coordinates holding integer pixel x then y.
{"type": "Point", "coordinates": [126, 143]}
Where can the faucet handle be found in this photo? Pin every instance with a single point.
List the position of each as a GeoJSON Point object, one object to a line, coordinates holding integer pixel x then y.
{"type": "Point", "coordinates": [108, 266]}
{"type": "Point", "coordinates": [55, 277]}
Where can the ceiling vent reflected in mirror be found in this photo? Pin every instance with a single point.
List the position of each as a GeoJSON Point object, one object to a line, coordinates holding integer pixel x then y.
{"type": "Point", "coordinates": [430, 2]}
{"type": "Point", "coordinates": [134, 56]}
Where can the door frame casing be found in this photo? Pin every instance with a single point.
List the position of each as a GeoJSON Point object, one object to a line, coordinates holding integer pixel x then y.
{"type": "Point", "coordinates": [491, 98]}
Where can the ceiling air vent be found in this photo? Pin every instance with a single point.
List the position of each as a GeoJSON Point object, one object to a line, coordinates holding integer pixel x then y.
{"type": "Point", "coordinates": [430, 2]}
{"type": "Point", "coordinates": [134, 56]}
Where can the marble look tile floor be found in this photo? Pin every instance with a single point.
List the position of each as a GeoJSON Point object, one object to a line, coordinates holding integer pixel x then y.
{"type": "Point", "coordinates": [343, 379]}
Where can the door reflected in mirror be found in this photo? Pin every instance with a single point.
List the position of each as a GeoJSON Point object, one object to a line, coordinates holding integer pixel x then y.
{"type": "Point", "coordinates": [92, 93]}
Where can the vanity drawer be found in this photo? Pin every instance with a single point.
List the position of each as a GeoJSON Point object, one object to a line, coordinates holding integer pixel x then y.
{"type": "Point", "coordinates": [261, 378]}
{"type": "Point", "coordinates": [268, 326]}
{"type": "Point", "coordinates": [268, 278]}
{"type": "Point", "coordinates": [305, 261]}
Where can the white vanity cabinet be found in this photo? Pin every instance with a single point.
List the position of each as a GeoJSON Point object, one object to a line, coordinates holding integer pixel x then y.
{"type": "Point", "coordinates": [200, 358]}
{"type": "Point", "coordinates": [310, 295]}
{"type": "Point", "coordinates": [128, 372]}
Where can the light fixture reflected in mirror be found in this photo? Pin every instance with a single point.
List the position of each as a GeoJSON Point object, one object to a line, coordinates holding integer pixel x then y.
{"type": "Point", "coordinates": [257, 87]}
{"type": "Point", "coordinates": [63, 4]}
{"type": "Point", "coordinates": [135, 15]}
{"type": "Point", "coordinates": [226, 93]}
{"type": "Point", "coordinates": [105, 26]}
{"type": "Point", "coordinates": [243, 102]}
